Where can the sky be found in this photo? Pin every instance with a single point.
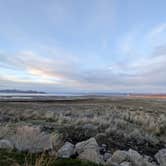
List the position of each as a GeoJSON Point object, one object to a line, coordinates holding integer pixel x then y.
{"type": "Point", "coordinates": [83, 45]}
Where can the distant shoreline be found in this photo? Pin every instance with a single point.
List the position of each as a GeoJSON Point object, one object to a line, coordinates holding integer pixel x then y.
{"type": "Point", "coordinates": [32, 94]}
{"type": "Point", "coordinates": [11, 91]}
{"type": "Point", "coordinates": [84, 98]}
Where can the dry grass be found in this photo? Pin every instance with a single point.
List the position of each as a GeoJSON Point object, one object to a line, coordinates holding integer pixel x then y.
{"type": "Point", "coordinates": [42, 160]}
{"type": "Point", "coordinates": [140, 119]}
{"type": "Point", "coordinates": [13, 158]}
{"type": "Point", "coordinates": [31, 139]}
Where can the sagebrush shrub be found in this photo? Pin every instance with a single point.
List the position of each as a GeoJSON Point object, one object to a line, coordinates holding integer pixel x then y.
{"type": "Point", "coordinates": [31, 139]}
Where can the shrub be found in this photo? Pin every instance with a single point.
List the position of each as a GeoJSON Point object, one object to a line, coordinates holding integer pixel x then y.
{"type": "Point", "coordinates": [4, 131]}
{"type": "Point", "coordinates": [31, 139]}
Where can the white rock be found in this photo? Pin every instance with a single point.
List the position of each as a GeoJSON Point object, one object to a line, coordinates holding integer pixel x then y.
{"type": "Point", "coordinates": [130, 157]}
{"type": "Point", "coordinates": [91, 155]}
{"type": "Point", "coordinates": [137, 160]}
{"type": "Point", "coordinates": [125, 163]}
{"type": "Point", "coordinates": [66, 151]}
{"type": "Point", "coordinates": [6, 144]}
{"type": "Point", "coordinates": [161, 157]}
{"type": "Point", "coordinates": [106, 156]}
{"type": "Point", "coordinates": [118, 157]}
{"type": "Point", "coordinates": [89, 150]}
{"type": "Point", "coordinates": [134, 156]}
{"type": "Point", "coordinates": [88, 144]}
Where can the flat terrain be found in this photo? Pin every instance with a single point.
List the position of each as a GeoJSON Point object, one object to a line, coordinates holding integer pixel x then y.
{"type": "Point", "coordinates": [119, 122]}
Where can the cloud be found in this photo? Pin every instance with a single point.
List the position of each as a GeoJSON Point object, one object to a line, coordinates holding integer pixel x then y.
{"type": "Point", "coordinates": [28, 68]}
{"type": "Point", "coordinates": [141, 40]}
{"type": "Point", "coordinates": [157, 30]}
{"type": "Point", "coordinates": [57, 69]}
{"type": "Point", "coordinates": [131, 42]}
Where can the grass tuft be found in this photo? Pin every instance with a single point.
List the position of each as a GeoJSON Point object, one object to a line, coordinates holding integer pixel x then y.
{"type": "Point", "coordinates": [14, 158]}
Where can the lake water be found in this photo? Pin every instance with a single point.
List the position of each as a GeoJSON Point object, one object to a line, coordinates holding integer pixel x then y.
{"type": "Point", "coordinates": [39, 94]}
{"type": "Point", "coordinates": [33, 95]}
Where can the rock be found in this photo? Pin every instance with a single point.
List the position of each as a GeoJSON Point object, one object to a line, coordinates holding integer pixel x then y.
{"type": "Point", "coordinates": [118, 157]}
{"type": "Point", "coordinates": [149, 161]}
{"type": "Point", "coordinates": [104, 146]}
{"type": "Point", "coordinates": [66, 151]}
{"type": "Point", "coordinates": [103, 149]}
{"type": "Point", "coordinates": [89, 150]}
{"type": "Point", "coordinates": [143, 162]}
{"type": "Point", "coordinates": [106, 156]}
{"type": "Point", "coordinates": [88, 144]}
{"type": "Point", "coordinates": [134, 156]}
{"type": "Point", "coordinates": [91, 155]}
{"type": "Point", "coordinates": [137, 160]}
{"type": "Point", "coordinates": [130, 157]}
{"type": "Point", "coordinates": [161, 157]}
{"type": "Point", "coordinates": [148, 158]}
{"type": "Point", "coordinates": [146, 163]}
{"type": "Point", "coordinates": [125, 163]}
{"type": "Point", "coordinates": [6, 144]}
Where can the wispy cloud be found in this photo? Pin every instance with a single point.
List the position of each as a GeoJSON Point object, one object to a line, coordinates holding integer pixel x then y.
{"type": "Point", "coordinates": [157, 31]}
{"type": "Point", "coordinates": [38, 69]}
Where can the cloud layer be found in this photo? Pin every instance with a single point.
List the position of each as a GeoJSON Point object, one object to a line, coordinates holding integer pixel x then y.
{"type": "Point", "coordinates": [144, 74]}
{"type": "Point", "coordinates": [87, 46]}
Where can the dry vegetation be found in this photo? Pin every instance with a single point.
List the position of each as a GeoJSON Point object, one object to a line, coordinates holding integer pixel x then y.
{"type": "Point", "coordinates": [120, 123]}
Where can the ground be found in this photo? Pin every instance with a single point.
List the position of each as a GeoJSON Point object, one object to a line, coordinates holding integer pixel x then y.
{"type": "Point", "coordinates": [119, 122]}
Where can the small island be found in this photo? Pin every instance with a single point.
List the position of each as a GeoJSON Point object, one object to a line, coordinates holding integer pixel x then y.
{"type": "Point", "coordinates": [21, 91]}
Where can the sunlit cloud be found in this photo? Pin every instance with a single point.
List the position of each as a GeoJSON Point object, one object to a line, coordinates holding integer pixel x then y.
{"type": "Point", "coordinates": [43, 74]}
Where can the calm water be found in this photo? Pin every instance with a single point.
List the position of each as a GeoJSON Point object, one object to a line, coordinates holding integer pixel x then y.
{"type": "Point", "coordinates": [38, 94]}
{"type": "Point", "coordinates": [32, 95]}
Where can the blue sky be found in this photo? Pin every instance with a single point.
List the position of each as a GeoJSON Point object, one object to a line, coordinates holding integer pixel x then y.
{"type": "Point", "coordinates": [83, 45]}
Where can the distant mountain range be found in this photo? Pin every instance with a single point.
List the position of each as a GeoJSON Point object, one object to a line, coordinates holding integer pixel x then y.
{"type": "Point", "coordinates": [21, 91]}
